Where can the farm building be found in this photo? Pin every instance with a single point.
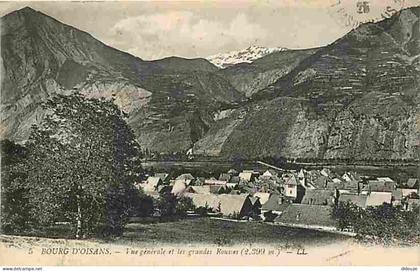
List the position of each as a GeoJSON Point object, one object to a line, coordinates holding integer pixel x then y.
{"type": "Point", "coordinates": [226, 204]}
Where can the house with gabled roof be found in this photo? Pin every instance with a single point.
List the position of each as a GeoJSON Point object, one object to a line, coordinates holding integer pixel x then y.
{"type": "Point", "coordinates": [187, 177]}
{"type": "Point", "coordinates": [179, 187]}
{"type": "Point", "coordinates": [227, 204]}
{"type": "Point", "coordinates": [247, 176]}
{"type": "Point", "coordinates": [270, 173]}
{"type": "Point", "coordinates": [290, 185]}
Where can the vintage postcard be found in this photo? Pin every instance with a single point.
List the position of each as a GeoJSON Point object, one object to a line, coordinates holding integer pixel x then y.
{"type": "Point", "coordinates": [269, 133]}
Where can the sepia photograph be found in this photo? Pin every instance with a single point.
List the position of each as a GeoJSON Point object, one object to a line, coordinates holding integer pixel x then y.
{"type": "Point", "coordinates": [211, 133]}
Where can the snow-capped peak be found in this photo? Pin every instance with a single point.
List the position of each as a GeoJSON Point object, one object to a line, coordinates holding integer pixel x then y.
{"type": "Point", "coordinates": [247, 55]}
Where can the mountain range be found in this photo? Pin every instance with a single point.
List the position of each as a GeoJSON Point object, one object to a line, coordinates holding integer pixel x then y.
{"type": "Point", "coordinates": [357, 98]}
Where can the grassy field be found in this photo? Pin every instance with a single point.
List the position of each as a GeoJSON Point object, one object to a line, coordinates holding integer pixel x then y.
{"type": "Point", "coordinates": [203, 231]}
{"type": "Point", "coordinates": [218, 232]}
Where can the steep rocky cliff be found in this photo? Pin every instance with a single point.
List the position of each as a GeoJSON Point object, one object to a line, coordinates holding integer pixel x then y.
{"type": "Point", "coordinates": [249, 78]}
{"type": "Point", "coordinates": [41, 56]}
{"type": "Point", "coordinates": [357, 98]}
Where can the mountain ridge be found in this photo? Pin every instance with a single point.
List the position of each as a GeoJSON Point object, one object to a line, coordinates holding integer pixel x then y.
{"type": "Point", "coordinates": [356, 98]}
{"type": "Point", "coordinates": [59, 58]}
{"type": "Point", "coordinates": [362, 94]}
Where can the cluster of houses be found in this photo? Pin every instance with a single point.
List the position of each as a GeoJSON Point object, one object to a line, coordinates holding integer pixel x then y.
{"type": "Point", "coordinates": [301, 197]}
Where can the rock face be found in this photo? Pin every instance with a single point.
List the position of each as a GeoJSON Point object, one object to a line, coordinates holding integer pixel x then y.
{"type": "Point", "coordinates": [357, 98]}
{"type": "Point", "coordinates": [249, 78]}
{"type": "Point", "coordinates": [41, 57]}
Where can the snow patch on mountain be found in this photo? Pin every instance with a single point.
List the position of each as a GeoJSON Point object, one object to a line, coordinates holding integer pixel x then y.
{"type": "Point", "coordinates": [248, 55]}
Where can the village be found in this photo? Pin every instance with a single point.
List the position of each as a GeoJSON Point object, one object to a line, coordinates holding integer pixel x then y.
{"type": "Point", "coordinates": [290, 197]}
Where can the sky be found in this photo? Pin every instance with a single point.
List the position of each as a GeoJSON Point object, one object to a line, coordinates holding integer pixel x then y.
{"type": "Point", "coordinates": [157, 29]}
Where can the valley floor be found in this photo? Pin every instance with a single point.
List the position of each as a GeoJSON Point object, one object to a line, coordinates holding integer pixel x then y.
{"type": "Point", "coordinates": [206, 230]}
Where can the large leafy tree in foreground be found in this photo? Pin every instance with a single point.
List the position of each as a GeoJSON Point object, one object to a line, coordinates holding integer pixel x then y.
{"type": "Point", "coordinates": [81, 164]}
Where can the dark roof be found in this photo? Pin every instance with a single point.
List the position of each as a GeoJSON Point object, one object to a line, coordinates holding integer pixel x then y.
{"type": "Point", "coordinates": [358, 200]}
{"type": "Point", "coordinates": [274, 203]}
{"type": "Point", "coordinates": [320, 182]}
{"type": "Point", "coordinates": [235, 179]}
{"type": "Point", "coordinates": [318, 197]}
{"type": "Point", "coordinates": [307, 214]}
{"type": "Point", "coordinates": [332, 186]}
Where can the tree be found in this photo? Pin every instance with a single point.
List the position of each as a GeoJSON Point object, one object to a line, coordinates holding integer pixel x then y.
{"type": "Point", "coordinates": [166, 204]}
{"type": "Point", "coordinates": [347, 214]}
{"type": "Point", "coordinates": [184, 205]}
{"type": "Point", "coordinates": [82, 162]}
{"type": "Point", "coordinates": [14, 212]}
